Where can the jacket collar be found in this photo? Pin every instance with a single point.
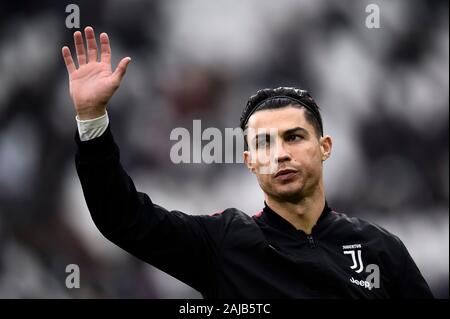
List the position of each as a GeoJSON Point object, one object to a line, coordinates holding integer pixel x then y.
{"type": "Point", "coordinates": [274, 219]}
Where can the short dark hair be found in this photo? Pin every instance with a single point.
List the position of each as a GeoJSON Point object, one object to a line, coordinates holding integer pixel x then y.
{"type": "Point", "coordinates": [273, 98]}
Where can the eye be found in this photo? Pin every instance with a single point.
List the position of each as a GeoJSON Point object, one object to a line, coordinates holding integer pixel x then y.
{"type": "Point", "coordinates": [293, 137]}
{"type": "Point", "coordinates": [263, 142]}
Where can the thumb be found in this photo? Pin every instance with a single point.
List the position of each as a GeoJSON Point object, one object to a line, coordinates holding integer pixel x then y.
{"type": "Point", "coordinates": [121, 69]}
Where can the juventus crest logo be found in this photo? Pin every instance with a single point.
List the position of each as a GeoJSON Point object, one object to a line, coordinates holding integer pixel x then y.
{"type": "Point", "coordinates": [373, 279]}
{"type": "Point", "coordinates": [355, 252]}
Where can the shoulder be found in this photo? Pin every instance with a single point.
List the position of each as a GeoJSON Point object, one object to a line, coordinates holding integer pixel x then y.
{"type": "Point", "coordinates": [365, 229]}
{"type": "Point", "coordinates": [227, 216]}
{"type": "Point", "coordinates": [233, 216]}
{"type": "Point", "coordinates": [229, 223]}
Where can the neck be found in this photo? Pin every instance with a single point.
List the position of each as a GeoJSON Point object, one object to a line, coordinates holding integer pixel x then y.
{"type": "Point", "coordinates": [302, 214]}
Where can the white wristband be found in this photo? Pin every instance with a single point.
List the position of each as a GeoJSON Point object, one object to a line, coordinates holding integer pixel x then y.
{"type": "Point", "coordinates": [90, 129]}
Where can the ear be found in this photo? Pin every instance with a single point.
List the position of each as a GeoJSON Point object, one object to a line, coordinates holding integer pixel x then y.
{"type": "Point", "coordinates": [326, 145]}
{"type": "Point", "coordinates": [248, 161]}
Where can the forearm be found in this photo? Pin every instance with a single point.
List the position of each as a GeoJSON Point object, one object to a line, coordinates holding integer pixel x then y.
{"type": "Point", "coordinates": [108, 190]}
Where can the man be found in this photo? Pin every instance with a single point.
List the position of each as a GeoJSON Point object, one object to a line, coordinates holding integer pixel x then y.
{"type": "Point", "coordinates": [297, 247]}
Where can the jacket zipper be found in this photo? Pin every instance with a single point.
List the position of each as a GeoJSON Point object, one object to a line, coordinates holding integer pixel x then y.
{"type": "Point", "coordinates": [311, 241]}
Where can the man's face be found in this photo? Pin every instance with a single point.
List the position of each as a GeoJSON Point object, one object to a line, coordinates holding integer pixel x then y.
{"type": "Point", "coordinates": [285, 139]}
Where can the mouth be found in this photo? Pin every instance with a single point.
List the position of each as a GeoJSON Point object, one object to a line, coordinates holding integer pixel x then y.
{"type": "Point", "coordinates": [285, 174]}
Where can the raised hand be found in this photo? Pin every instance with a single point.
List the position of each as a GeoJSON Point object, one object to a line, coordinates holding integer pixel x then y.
{"type": "Point", "coordinates": [93, 83]}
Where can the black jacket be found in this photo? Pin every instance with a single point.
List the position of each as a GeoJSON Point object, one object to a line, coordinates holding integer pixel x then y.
{"type": "Point", "coordinates": [233, 255]}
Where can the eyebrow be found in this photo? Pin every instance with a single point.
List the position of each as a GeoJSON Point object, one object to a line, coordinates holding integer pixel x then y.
{"type": "Point", "coordinates": [294, 130]}
{"type": "Point", "coordinates": [287, 132]}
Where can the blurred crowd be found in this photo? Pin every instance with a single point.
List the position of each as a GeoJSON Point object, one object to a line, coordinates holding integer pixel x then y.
{"type": "Point", "coordinates": [383, 95]}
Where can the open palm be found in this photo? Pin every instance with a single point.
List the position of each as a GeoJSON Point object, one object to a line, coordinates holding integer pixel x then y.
{"type": "Point", "coordinates": [93, 83]}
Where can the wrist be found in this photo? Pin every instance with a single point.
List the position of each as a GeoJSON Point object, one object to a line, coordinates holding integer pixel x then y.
{"type": "Point", "coordinates": [90, 114]}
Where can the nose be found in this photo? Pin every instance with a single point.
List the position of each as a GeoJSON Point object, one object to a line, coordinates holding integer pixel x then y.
{"type": "Point", "coordinates": [282, 154]}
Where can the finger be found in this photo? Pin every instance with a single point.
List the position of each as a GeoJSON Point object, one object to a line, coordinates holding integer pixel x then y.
{"type": "Point", "coordinates": [121, 69]}
{"type": "Point", "coordinates": [68, 60]}
{"type": "Point", "coordinates": [91, 44]}
{"type": "Point", "coordinates": [79, 47]}
{"type": "Point", "coordinates": [105, 48]}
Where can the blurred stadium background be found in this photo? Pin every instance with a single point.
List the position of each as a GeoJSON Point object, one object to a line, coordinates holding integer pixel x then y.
{"type": "Point", "coordinates": [383, 93]}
